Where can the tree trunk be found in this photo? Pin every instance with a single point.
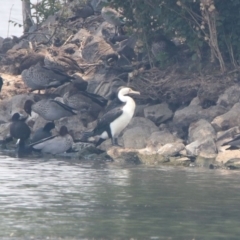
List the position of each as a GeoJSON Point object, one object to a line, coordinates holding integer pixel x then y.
{"type": "Point", "coordinates": [26, 12]}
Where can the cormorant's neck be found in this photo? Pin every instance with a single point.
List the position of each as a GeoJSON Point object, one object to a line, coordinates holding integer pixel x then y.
{"type": "Point", "coordinates": [123, 98]}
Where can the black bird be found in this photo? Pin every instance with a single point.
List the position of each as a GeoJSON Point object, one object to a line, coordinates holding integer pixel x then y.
{"type": "Point", "coordinates": [18, 128]}
{"type": "Point", "coordinates": [22, 150]}
{"type": "Point", "coordinates": [43, 132]}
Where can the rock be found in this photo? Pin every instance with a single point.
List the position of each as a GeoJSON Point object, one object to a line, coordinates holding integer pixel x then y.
{"type": "Point", "coordinates": [208, 93]}
{"type": "Point", "coordinates": [151, 158]}
{"type": "Point", "coordinates": [8, 43]}
{"type": "Point", "coordinates": [160, 138]}
{"type": "Point", "coordinates": [96, 48]}
{"type": "Point", "coordinates": [226, 136]}
{"type": "Point", "coordinates": [166, 156]}
{"type": "Point", "coordinates": [123, 155]}
{"type": "Point", "coordinates": [230, 158]}
{"type": "Point", "coordinates": [195, 102]}
{"type": "Point", "coordinates": [12, 105]}
{"type": "Point", "coordinates": [137, 132]}
{"type": "Point", "coordinates": [206, 148]}
{"type": "Point", "coordinates": [81, 35]}
{"type": "Point", "coordinates": [158, 113]}
{"type": "Point", "coordinates": [23, 44]}
{"type": "Point", "coordinates": [229, 97]}
{"type": "Point", "coordinates": [200, 130]}
{"type": "Point", "coordinates": [192, 113]}
{"type": "Point", "coordinates": [4, 130]}
{"type": "Point", "coordinates": [207, 162]}
{"type": "Point", "coordinates": [171, 149]}
{"type": "Point", "coordinates": [142, 122]}
{"type": "Point", "coordinates": [202, 140]}
{"type": "Point", "coordinates": [139, 111]}
{"type": "Point", "coordinates": [104, 88]}
{"type": "Point", "coordinates": [233, 164]}
{"type": "Point", "coordinates": [105, 30]}
{"type": "Point", "coordinates": [136, 137]}
{"type": "Point", "coordinates": [228, 120]}
{"type": "Point", "coordinates": [74, 125]}
{"type": "Point", "coordinates": [211, 112]}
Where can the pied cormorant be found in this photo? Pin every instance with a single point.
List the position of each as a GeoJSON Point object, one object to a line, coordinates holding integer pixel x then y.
{"type": "Point", "coordinates": [111, 124]}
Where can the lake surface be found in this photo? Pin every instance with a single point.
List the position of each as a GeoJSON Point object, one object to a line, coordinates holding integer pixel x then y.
{"type": "Point", "coordinates": [63, 199]}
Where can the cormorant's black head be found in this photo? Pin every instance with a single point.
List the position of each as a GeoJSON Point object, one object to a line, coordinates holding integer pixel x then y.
{"type": "Point", "coordinates": [16, 117]}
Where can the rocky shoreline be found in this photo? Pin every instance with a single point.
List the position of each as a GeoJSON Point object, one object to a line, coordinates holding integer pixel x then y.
{"type": "Point", "coordinates": [190, 134]}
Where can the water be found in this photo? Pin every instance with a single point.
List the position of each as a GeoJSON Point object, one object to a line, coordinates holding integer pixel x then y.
{"type": "Point", "coordinates": [61, 199]}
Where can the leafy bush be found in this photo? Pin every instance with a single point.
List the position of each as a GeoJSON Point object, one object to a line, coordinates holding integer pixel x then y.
{"type": "Point", "coordinates": [210, 27]}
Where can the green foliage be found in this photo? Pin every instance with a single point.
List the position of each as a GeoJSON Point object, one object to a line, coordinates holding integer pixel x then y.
{"type": "Point", "coordinates": [44, 8]}
{"type": "Point", "coordinates": [15, 23]}
{"type": "Point", "coordinates": [186, 19]}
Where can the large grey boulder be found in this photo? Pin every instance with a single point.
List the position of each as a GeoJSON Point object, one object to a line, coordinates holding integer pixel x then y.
{"type": "Point", "coordinates": [160, 138]}
{"type": "Point", "coordinates": [4, 130]}
{"type": "Point", "coordinates": [158, 113]}
{"type": "Point", "coordinates": [228, 120]}
{"type": "Point", "coordinates": [192, 113]}
{"type": "Point", "coordinates": [206, 148]}
{"type": "Point", "coordinates": [200, 130]}
{"type": "Point", "coordinates": [229, 97]}
{"type": "Point", "coordinates": [12, 105]}
{"type": "Point", "coordinates": [229, 158]}
{"type": "Point", "coordinates": [201, 140]}
{"type": "Point", "coordinates": [137, 132]}
{"type": "Point", "coordinates": [171, 149]}
{"type": "Point", "coordinates": [95, 49]}
{"type": "Point", "coordinates": [226, 136]}
{"type": "Point", "coordinates": [74, 125]}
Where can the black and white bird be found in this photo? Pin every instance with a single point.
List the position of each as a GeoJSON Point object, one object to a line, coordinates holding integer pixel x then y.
{"type": "Point", "coordinates": [18, 128]}
{"type": "Point", "coordinates": [112, 123]}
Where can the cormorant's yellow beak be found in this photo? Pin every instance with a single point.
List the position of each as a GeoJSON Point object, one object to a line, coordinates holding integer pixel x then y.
{"type": "Point", "coordinates": [134, 92]}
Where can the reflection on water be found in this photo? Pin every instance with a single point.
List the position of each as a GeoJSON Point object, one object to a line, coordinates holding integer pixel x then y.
{"type": "Point", "coordinates": [52, 199]}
